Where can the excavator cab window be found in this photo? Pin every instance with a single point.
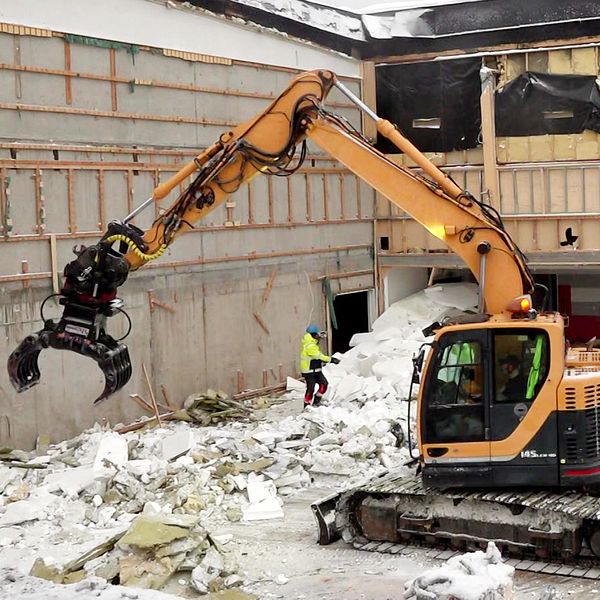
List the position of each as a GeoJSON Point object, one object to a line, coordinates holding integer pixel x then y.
{"type": "Point", "coordinates": [520, 365]}
{"type": "Point", "coordinates": [521, 361]}
{"type": "Point", "coordinates": [454, 409]}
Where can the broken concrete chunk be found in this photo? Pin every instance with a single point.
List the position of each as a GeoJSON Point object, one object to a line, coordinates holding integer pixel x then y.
{"type": "Point", "coordinates": [255, 466]}
{"type": "Point", "coordinates": [226, 468]}
{"type": "Point", "coordinates": [234, 514]}
{"type": "Point", "coordinates": [177, 444]}
{"type": "Point", "coordinates": [258, 489]}
{"type": "Point", "coordinates": [112, 453]}
{"type": "Point", "coordinates": [43, 571]}
{"type": "Point", "coordinates": [23, 511]}
{"type": "Point", "coordinates": [140, 572]}
{"type": "Point", "coordinates": [200, 579]}
{"type": "Point", "coordinates": [72, 481]}
{"type": "Point", "coordinates": [148, 531]}
{"type": "Point", "coordinates": [10, 535]}
{"type": "Point", "coordinates": [269, 508]}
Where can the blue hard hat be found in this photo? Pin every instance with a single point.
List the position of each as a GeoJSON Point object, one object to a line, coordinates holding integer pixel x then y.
{"type": "Point", "coordinates": [312, 329]}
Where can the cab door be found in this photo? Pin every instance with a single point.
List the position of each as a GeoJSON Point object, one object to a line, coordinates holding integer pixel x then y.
{"type": "Point", "coordinates": [520, 364]}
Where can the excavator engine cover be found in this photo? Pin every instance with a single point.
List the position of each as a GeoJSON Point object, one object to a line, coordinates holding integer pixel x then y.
{"type": "Point", "coordinates": [81, 329]}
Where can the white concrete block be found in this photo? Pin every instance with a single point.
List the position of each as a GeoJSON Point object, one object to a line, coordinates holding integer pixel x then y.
{"type": "Point", "coordinates": [177, 444]}
{"type": "Point", "coordinates": [112, 453]}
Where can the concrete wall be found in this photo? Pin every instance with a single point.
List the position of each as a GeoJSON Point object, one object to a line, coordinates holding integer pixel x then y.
{"type": "Point", "coordinates": [86, 132]}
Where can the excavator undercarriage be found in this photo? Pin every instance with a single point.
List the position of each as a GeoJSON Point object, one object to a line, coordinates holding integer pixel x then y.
{"type": "Point", "coordinates": [540, 531]}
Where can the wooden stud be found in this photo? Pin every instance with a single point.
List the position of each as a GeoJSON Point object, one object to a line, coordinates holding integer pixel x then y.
{"type": "Point", "coordinates": [250, 204]}
{"type": "Point", "coordinates": [240, 381]}
{"type": "Point", "coordinates": [167, 398]}
{"type": "Point", "coordinates": [270, 198]}
{"type": "Point", "coordinates": [112, 53]}
{"type": "Point", "coordinates": [101, 203]}
{"type": "Point", "coordinates": [156, 180]}
{"type": "Point", "coordinates": [130, 192]}
{"type": "Point", "coordinates": [152, 398]}
{"type": "Point", "coordinates": [54, 264]}
{"type": "Point", "coordinates": [325, 198]}
{"type": "Point", "coordinates": [17, 57]}
{"type": "Point", "coordinates": [25, 270]}
{"type": "Point", "coordinates": [265, 378]}
{"type": "Point", "coordinates": [342, 198]}
{"type": "Point", "coordinates": [68, 84]}
{"type": "Point", "coordinates": [269, 286]}
{"type": "Point", "coordinates": [308, 197]}
{"type": "Point", "coordinates": [289, 200]}
{"type": "Point", "coordinates": [40, 217]}
{"type": "Point", "coordinates": [262, 324]}
{"type": "Point", "coordinates": [358, 199]}
{"type": "Point", "coordinates": [281, 375]}
{"type": "Point", "coordinates": [3, 227]}
{"type": "Point", "coordinates": [71, 201]}
{"type": "Point", "coordinates": [143, 403]}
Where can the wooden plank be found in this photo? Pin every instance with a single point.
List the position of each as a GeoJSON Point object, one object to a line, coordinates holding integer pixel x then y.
{"type": "Point", "coordinates": [261, 323]}
{"type": "Point", "coordinates": [269, 286]}
{"type": "Point", "coordinates": [68, 83]}
{"type": "Point", "coordinates": [54, 264]}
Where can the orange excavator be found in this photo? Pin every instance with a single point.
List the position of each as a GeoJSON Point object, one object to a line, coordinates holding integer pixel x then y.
{"type": "Point", "coordinates": [508, 421]}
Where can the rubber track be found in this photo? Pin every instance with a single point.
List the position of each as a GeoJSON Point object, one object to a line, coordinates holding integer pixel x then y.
{"type": "Point", "coordinates": [571, 503]}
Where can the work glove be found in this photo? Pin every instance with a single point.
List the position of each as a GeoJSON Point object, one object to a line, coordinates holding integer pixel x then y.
{"type": "Point", "coordinates": [335, 361]}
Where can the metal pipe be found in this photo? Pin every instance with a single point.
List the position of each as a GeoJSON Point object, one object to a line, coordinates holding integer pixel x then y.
{"type": "Point", "coordinates": [481, 291]}
{"type": "Point", "coordinates": [139, 209]}
{"type": "Point", "coordinates": [356, 100]}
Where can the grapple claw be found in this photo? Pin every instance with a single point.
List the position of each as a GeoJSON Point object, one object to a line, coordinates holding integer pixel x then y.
{"type": "Point", "coordinates": [23, 367]}
{"type": "Point", "coordinates": [81, 330]}
{"type": "Point", "coordinates": [116, 366]}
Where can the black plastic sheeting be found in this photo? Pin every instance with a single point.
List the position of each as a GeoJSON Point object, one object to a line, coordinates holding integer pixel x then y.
{"type": "Point", "coordinates": [448, 90]}
{"type": "Point", "coordinates": [540, 103]}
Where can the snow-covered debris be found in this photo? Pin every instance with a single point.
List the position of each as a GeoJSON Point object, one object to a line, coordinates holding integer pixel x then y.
{"type": "Point", "coordinates": [473, 576]}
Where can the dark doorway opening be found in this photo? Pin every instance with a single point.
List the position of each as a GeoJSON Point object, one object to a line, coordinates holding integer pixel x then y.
{"type": "Point", "coordinates": [352, 315]}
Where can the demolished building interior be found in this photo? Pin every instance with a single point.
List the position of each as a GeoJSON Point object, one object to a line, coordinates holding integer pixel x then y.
{"type": "Point", "coordinates": [201, 472]}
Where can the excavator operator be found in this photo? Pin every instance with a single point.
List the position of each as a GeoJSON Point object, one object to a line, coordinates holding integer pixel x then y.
{"type": "Point", "coordinates": [311, 364]}
{"type": "Point", "coordinates": [515, 386]}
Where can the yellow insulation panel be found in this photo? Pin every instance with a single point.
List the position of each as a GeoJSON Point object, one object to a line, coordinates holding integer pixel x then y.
{"type": "Point", "coordinates": [23, 30]}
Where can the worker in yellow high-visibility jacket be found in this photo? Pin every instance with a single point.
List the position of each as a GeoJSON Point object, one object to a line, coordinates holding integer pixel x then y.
{"type": "Point", "coordinates": [311, 365]}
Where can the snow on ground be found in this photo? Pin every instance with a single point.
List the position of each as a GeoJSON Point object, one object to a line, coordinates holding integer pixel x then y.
{"type": "Point", "coordinates": [143, 507]}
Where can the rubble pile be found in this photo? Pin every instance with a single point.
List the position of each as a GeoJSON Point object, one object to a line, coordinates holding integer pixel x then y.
{"type": "Point", "coordinates": [138, 508]}
{"type": "Point", "coordinates": [213, 407]}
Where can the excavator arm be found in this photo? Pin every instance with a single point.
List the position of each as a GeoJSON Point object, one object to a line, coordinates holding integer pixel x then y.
{"type": "Point", "coordinates": [273, 142]}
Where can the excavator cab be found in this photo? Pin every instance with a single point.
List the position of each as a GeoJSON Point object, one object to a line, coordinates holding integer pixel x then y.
{"type": "Point", "coordinates": [483, 418]}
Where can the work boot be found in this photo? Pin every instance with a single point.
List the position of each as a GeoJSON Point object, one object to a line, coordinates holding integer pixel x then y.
{"type": "Point", "coordinates": [317, 400]}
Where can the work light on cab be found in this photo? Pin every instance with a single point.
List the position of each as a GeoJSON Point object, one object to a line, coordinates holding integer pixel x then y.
{"type": "Point", "coordinates": [520, 306]}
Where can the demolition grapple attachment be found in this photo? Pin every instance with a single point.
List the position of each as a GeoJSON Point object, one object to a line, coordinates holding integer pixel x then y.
{"type": "Point", "coordinates": [89, 299]}
{"type": "Point", "coordinates": [80, 329]}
